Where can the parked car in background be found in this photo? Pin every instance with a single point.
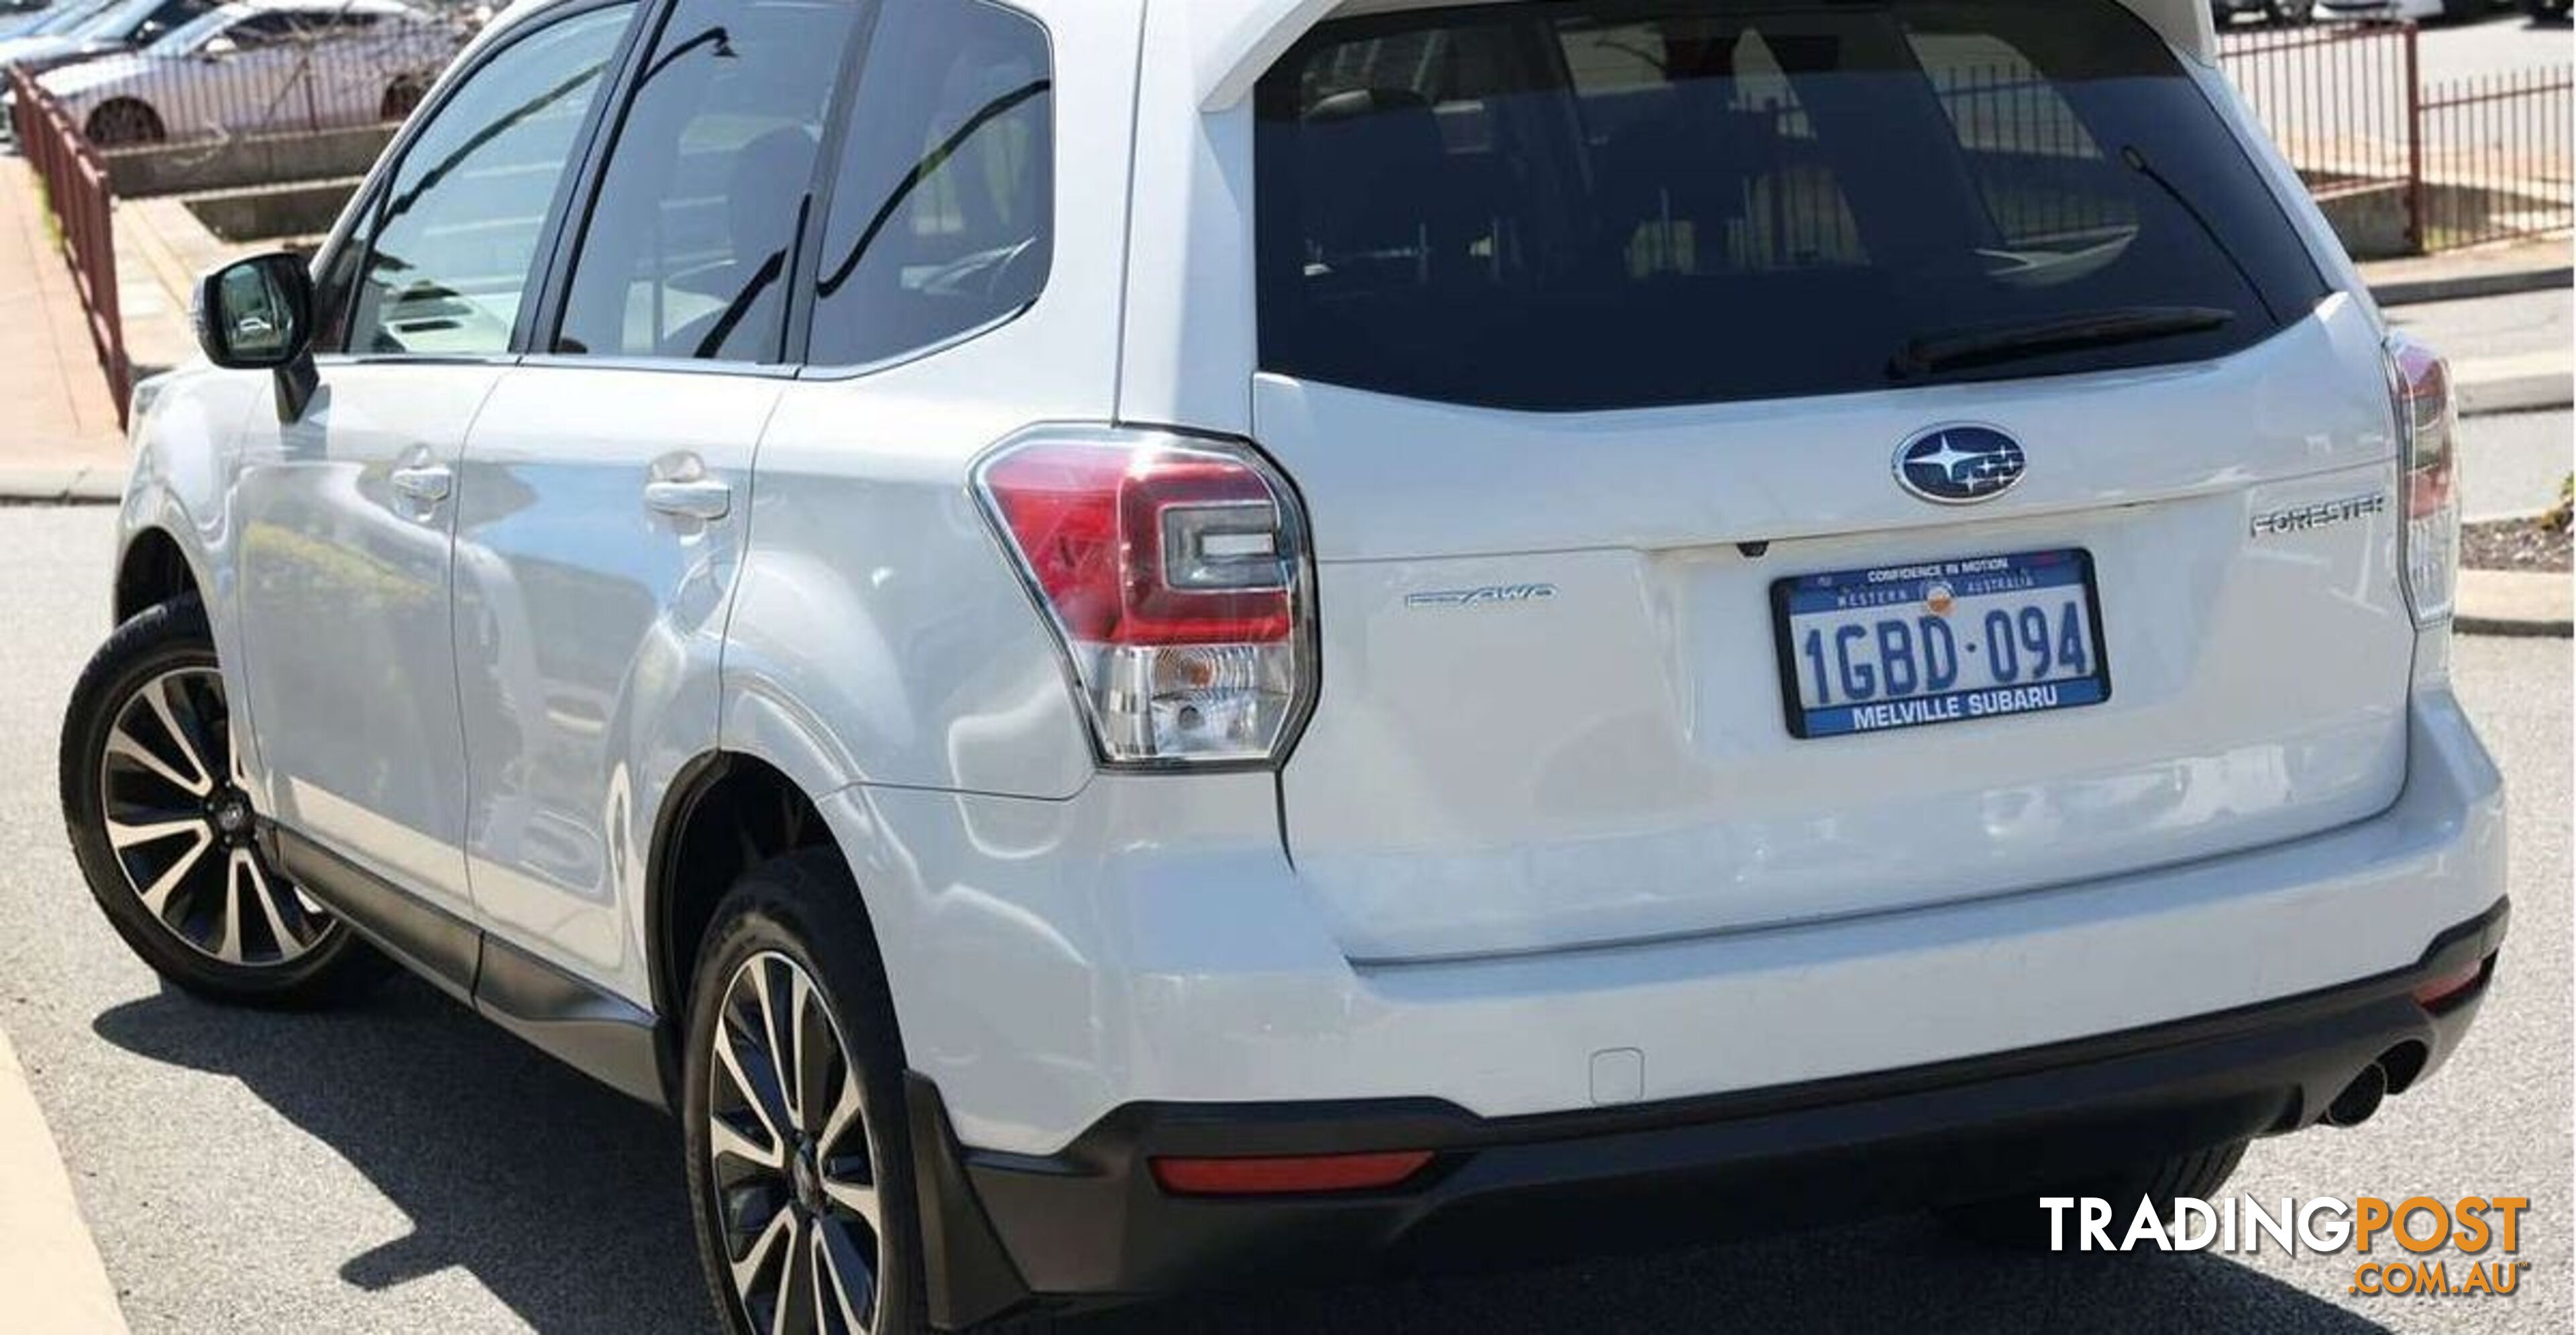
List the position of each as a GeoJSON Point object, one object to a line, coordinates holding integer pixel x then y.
{"type": "Point", "coordinates": [2419, 11]}
{"type": "Point", "coordinates": [33, 39]}
{"type": "Point", "coordinates": [262, 67]}
{"type": "Point", "coordinates": [98, 30]}
{"type": "Point", "coordinates": [17, 33]}
{"type": "Point", "coordinates": [2227, 12]}
{"type": "Point", "coordinates": [16, 16]}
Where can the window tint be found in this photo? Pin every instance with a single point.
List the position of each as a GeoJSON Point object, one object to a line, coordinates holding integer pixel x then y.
{"type": "Point", "coordinates": [942, 211]}
{"type": "Point", "coordinates": [339, 24]}
{"type": "Point", "coordinates": [456, 233]}
{"type": "Point", "coordinates": [695, 226]}
{"type": "Point", "coordinates": [1611, 203]}
{"type": "Point", "coordinates": [264, 30]}
{"type": "Point", "coordinates": [162, 18]}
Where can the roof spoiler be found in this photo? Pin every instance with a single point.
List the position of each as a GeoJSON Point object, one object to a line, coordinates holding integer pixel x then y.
{"type": "Point", "coordinates": [1237, 40]}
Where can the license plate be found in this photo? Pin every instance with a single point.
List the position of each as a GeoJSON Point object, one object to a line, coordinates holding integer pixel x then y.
{"type": "Point", "coordinates": [1911, 646]}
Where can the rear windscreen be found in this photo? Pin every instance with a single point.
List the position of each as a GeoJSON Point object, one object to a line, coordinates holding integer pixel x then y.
{"type": "Point", "coordinates": [1611, 204]}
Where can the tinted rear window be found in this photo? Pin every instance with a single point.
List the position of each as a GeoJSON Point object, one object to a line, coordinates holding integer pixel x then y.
{"type": "Point", "coordinates": [1607, 204]}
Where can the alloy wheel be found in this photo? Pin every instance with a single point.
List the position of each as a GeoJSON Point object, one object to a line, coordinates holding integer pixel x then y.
{"type": "Point", "coordinates": [185, 832]}
{"type": "Point", "coordinates": [794, 1168]}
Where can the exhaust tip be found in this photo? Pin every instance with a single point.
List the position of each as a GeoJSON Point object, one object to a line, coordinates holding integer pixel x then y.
{"type": "Point", "coordinates": [2360, 1099]}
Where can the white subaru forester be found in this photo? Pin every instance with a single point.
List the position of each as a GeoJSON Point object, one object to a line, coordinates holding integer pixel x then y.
{"type": "Point", "coordinates": [1134, 645]}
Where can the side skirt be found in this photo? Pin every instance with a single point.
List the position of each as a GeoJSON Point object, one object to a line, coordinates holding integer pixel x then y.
{"type": "Point", "coordinates": [598, 1033]}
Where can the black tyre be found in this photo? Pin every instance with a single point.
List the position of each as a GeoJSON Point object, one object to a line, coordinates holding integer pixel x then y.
{"type": "Point", "coordinates": [167, 834]}
{"type": "Point", "coordinates": [2018, 1221]}
{"type": "Point", "coordinates": [799, 1160]}
{"type": "Point", "coordinates": [124, 123]}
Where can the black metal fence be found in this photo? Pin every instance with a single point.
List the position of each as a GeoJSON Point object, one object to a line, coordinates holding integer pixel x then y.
{"type": "Point", "coordinates": [2467, 162]}
{"type": "Point", "coordinates": [2496, 157]}
{"type": "Point", "coordinates": [76, 190]}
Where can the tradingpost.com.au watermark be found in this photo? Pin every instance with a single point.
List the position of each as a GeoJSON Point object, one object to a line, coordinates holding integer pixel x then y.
{"type": "Point", "coordinates": [2418, 1245]}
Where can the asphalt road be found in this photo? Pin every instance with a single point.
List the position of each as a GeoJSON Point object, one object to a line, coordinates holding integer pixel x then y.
{"type": "Point", "coordinates": [403, 1167]}
{"type": "Point", "coordinates": [2489, 328]}
{"type": "Point", "coordinates": [2511, 463]}
{"type": "Point", "coordinates": [2505, 42]}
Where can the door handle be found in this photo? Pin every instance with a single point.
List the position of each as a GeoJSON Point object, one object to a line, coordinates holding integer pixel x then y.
{"type": "Point", "coordinates": [702, 499]}
{"type": "Point", "coordinates": [424, 486]}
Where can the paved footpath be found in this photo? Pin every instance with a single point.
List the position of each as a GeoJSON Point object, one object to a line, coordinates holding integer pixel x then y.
{"type": "Point", "coordinates": [50, 1276]}
{"type": "Point", "coordinates": [58, 431]}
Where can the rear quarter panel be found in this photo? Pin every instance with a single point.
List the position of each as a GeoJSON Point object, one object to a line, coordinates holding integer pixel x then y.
{"type": "Point", "coordinates": [880, 635]}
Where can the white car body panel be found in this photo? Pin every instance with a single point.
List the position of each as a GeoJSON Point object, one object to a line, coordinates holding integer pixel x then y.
{"type": "Point", "coordinates": [342, 595]}
{"type": "Point", "coordinates": [589, 629]}
{"type": "Point", "coordinates": [880, 637]}
{"type": "Point", "coordinates": [1060, 941]}
{"type": "Point", "coordinates": [1151, 942]}
{"type": "Point", "coordinates": [1646, 744]}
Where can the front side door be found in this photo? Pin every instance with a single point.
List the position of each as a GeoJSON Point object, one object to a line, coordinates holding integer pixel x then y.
{"type": "Point", "coordinates": [606, 485]}
{"type": "Point", "coordinates": [347, 512]}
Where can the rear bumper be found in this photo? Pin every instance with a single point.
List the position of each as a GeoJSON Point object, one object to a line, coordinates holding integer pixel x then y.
{"type": "Point", "coordinates": [1091, 1224]}
{"type": "Point", "coordinates": [1148, 942]}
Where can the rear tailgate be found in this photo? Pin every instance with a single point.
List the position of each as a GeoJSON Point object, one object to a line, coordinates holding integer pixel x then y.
{"type": "Point", "coordinates": [1586, 325]}
{"type": "Point", "coordinates": [1552, 712]}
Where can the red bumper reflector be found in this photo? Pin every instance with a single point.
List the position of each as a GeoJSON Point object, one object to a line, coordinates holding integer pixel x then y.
{"type": "Point", "coordinates": [2451, 984]}
{"type": "Point", "coordinates": [1288, 1176]}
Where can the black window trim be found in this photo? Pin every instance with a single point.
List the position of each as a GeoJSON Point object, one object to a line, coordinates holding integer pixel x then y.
{"type": "Point", "coordinates": [360, 220]}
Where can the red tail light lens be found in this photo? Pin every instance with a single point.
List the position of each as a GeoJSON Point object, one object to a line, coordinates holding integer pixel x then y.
{"type": "Point", "coordinates": [1173, 570]}
{"type": "Point", "coordinates": [2428, 455]}
{"type": "Point", "coordinates": [2435, 995]}
{"type": "Point", "coordinates": [1305, 1174]}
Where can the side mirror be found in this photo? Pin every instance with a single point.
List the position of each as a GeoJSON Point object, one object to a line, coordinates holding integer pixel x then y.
{"type": "Point", "coordinates": [257, 315]}
{"type": "Point", "coordinates": [218, 47]}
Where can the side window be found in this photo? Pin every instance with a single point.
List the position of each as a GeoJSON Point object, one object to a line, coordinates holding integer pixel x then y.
{"type": "Point", "coordinates": [943, 209]}
{"type": "Point", "coordinates": [259, 30]}
{"type": "Point", "coordinates": [456, 232]}
{"type": "Point", "coordinates": [2044, 179]}
{"type": "Point", "coordinates": [325, 27]}
{"type": "Point", "coordinates": [171, 15]}
{"type": "Point", "coordinates": [690, 240]}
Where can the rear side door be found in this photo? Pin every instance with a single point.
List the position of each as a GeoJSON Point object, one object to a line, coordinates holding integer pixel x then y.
{"type": "Point", "coordinates": [347, 512]}
{"type": "Point", "coordinates": [606, 486]}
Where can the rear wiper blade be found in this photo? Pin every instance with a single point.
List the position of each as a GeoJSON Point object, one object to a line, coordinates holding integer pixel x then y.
{"type": "Point", "coordinates": [1985, 344]}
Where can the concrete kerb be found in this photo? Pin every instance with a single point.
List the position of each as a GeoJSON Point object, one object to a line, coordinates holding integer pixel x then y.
{"type": "Point", "coordinates": [51, 1278]}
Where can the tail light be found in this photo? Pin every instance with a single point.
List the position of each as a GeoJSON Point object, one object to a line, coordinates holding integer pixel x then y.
{"type": "Point", "coordinates": [1173, 570]}
{"type": "Point", "coordinates": [2428, 453]}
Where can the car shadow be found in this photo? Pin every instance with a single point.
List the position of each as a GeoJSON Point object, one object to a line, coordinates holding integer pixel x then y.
{"type": "Point", "coordinates": [1899, 1274]}
{"type": "Point", "coordinates": [560, 1197]}
{"type": "Point", "coordinates": [565, 1202]}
